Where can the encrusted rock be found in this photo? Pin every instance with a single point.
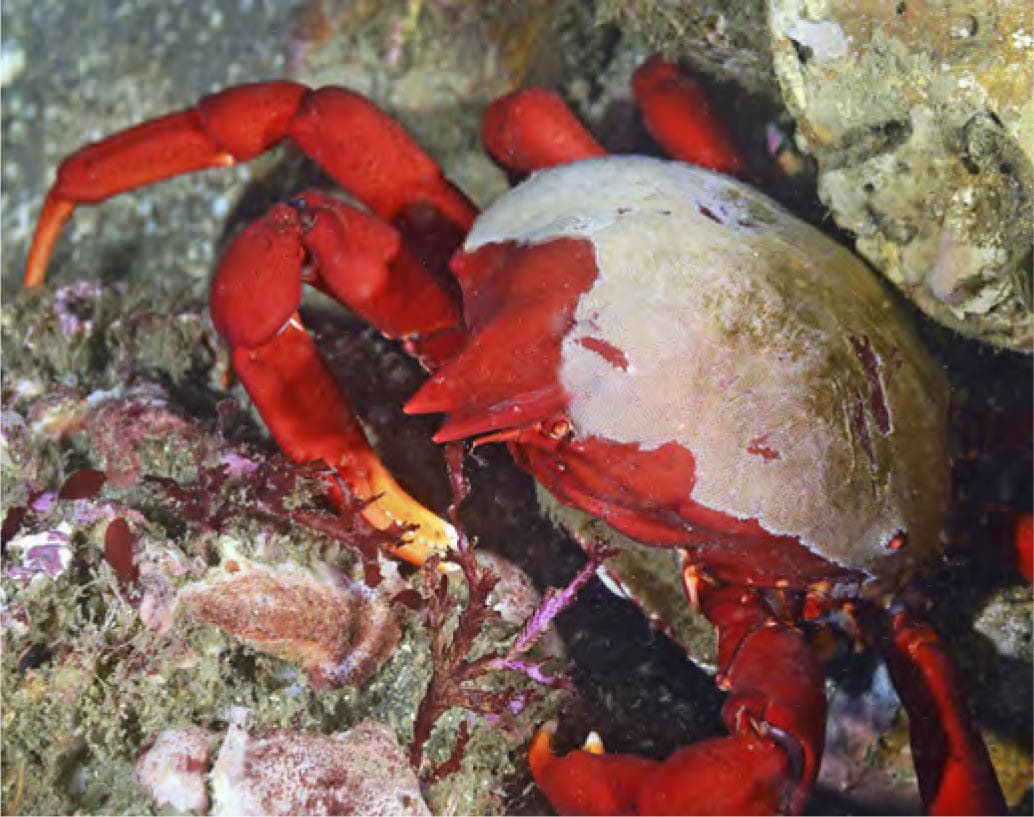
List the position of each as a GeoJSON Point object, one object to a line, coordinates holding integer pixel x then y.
{"type": "Point", "coordinates": [361, 771]}
{"type": "Point", "coordinates": [922, 121]}
{"type": "Point", "coordinates": [174, 767]}
{"type": "Point", "coordinates": [162, 566]}
{"type": "Point", "coordinates": [339, 631]}
{"type": "Point", "coordinates": [1005, 621]}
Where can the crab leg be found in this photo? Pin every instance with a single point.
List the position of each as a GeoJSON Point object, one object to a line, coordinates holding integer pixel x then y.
{"type": "Point", "coordinates": [678, 113]}
{"type": "Point", "coordinates": [389, 269]}
{"type": "Point", "coordinates": [357, 144]}
{"type": "Point", "coordinates": [363, 263]}
{"type": "Point", "coordinates": [775, 712]}
{"type": "Point", "coordinates": [952, 764]}
{"type": "Point", "coordinates": [533, 128]}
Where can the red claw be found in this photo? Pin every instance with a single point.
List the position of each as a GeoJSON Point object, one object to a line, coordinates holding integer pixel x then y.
{"type": "Point", "coordinates": [739, 774]}
{"type": "Point", "coordinates": [776, 713]}
{"type": "Point", "coordinates": [583, 782]}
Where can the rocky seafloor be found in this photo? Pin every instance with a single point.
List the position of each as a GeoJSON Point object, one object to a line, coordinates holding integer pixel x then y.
{"type": "Point", "coordinates": [115, 368]}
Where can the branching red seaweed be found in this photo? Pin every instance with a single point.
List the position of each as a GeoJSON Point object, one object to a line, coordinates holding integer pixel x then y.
{"type": "Point", "coordinates": [454, 671]}
{"type": "Point", "coordinates": [263, 488]}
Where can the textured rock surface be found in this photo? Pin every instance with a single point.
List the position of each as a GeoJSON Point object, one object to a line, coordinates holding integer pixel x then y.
{"type": "Point", "coordinates": [174, 769]}
{"type": "Point", "coordinates": [361, 771]}
{"type": "Point", "coordinates": [922, 121]}
{"type": "Point", "coordinates": [339, 631]}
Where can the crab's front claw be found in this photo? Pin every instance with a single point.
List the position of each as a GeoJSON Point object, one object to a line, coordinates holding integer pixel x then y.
{"type": "Point", "coordinates": [362, 261]}
{"type": "Point", "coordinates": [587, 781]}
{"type": "Point", "coordinates": [310, 418]}
{"type": "Point", "coordinates": [739, 774]}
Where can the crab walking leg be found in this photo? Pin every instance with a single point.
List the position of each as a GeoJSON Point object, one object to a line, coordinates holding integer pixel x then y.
{"type": "Point", "coordinates": [952, 763]}
{"type": "Point", "coordinates": [678, 113]}
{"type": "Point", "coordinates": [310, 419]}
{"type": "Point", "coordinates": [1023, 541]}
{"type": "Point", "coordinates": [391, 277]}
{"type": "Point", "coordinates": [357, 144]}
{"type": "Point", "coordinates": [533, 128]}
{"type": "Point", "coordinates": [775, 712]}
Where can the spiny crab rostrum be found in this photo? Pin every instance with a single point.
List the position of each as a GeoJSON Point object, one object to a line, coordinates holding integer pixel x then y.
{"type": "Point", "coordinates": [658, 344]}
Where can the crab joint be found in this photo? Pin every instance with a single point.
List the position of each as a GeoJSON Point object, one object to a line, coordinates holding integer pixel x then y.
{"type": "Point", "coordinates": [693, 578]}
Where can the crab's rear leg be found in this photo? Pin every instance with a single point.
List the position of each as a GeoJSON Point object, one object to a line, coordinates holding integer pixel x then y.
{"type": "Point", "coordinates": [533, 128]}
{"type": "Point", "coordinates": [775, 713]}
{"type": "Point", "coordinates": [680, 115]}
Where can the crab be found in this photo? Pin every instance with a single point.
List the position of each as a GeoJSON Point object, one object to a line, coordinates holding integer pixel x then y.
{"type": "Point", "coordinates": [657, 343]}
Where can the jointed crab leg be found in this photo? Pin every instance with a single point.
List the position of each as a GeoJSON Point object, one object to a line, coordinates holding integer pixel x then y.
{"type": "Point", "coordinates": [533, 128]}
{"type": "Point", "coordinates": [679, 115]}
{"type": "Point", "coordinates": [952, 764]}
{"type": "Point", "coordinates": [360, 147]}
{"type": "Point", "coordinates": [388, 268]}
{"type": "Point", "coordinates": [775, 713]}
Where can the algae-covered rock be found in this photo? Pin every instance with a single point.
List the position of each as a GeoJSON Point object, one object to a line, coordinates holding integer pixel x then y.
{"type": "Point", "coordinates": [98, 658]}
{"type": "Point", "coordinates": [921, 118]}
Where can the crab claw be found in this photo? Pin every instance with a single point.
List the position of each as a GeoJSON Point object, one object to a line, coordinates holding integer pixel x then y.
{"type": "Point", "coordinates": [739, 774]}
{"type": "Point", "coordinates": [775, 713]}
{"type": "Point", "coordinates": [587, 781]}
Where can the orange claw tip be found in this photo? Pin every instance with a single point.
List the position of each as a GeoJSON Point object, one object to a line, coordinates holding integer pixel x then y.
{"type": "Point", "coordinates": [55, 212]}
{"type": "Point", "coordinates": [593, 744]}
{"type": "Point", "coordinates": [541, 749]}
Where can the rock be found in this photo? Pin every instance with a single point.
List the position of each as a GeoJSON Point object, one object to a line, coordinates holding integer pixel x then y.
{"type": "Point", "coordinates": [339, 631]}
{"type": "Point", "coordinates": [174, 767]}
{"type": "Point", "coordinates": [361, 771]}
{"type": "Point", "coordinates": [921, 118]}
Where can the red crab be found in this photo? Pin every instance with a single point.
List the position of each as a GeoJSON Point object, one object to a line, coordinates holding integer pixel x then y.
{"type": "Point", "coordinates": [658, 344]}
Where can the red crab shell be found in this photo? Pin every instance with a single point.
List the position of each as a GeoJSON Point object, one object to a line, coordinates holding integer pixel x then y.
{"type": "Point", "coordinates": [670, 350]}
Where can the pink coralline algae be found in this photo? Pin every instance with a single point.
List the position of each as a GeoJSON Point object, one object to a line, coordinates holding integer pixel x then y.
{"type": "Point", "coordinates": [173, 769]}
{"type": "Point", "coordinates": [361, 771]}
{"type": "Point", "coordinates": [74, 306]}
{"type": "Point", "coordinates": [339, 631]}
{"type": "Point", "coordinates": [122, 425]}
{"type": "Point", "coordinates": [43, 554]}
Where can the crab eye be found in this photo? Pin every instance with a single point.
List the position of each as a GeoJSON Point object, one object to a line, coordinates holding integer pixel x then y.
{"type": "Point", "coordinates": [897, 541]}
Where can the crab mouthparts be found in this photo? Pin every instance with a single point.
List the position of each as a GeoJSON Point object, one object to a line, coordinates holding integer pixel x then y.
{"type": "Point", "coordinates": [519, 302]}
